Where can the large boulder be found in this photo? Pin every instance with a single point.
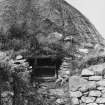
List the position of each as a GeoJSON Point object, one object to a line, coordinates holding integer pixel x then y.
{"type": "Point", "coordinates": [75, 82]}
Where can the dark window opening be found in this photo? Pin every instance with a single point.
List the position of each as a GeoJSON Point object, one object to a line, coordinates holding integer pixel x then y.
{"type": "Point", "coordinates": [45, 66]}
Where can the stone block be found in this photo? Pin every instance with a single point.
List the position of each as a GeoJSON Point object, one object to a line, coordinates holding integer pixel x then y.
{"type": "Point", "coordinates": [98, 68]}
{"type": "Point", "coordinates": [84, 88]}
{"type": "Point", "coordinates": [75, 94]}
{"type": "Point", "coordinates": [75, 82]}
{"type": "Point", "coordinates": [75, 101]}
{"type": "Point", "coordinates": [95, 93]}
{"type": "Point", "coordinates": [101, 88]}
{"type": "Point", "coordinates": [92, 104]}
{"type": "Point", "coordinates": [88, 99]}
{"type": "Point", "coordinates": [100, 100]}
{"type": "Point", "coordinates": [95, 78]}
{"type": "Point", "coordinates": [87, 72]}
{"type": "Point", "coordinates": [101, 83]}
{"type": "Point", "coordinates": [91, 84]}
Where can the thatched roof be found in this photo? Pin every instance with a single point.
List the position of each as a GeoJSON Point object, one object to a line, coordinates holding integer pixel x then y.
{"type": "Point", "coordinates": [69, 19]}
{"type": "Point", "coordinates": [47, 18]}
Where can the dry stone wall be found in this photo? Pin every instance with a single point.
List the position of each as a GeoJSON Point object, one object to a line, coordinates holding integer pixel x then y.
{"type": "Point", "coordinates": [89, 87]}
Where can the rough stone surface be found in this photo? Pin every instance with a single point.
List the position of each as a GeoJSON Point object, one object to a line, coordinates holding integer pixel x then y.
{"type": "Point", "coordinates": [100, 100]}
{"type": "Point", "coordinates": [75, 101]}
{"type": "Point", "coordinates": [103, 95]}
{"type": "Point", "coordinates": [84, 88]}
{"type": "Point", "coordinates": [103, 91]}
{"type": "Point", "coordinates": [76, 82]}
{"type": "Point", "coordinates": [19, 57]}
{"type": "Point", "coordinates": [76, 94]}
{"type": "Point", "coordinates": [59, 101]}
{"type": "Point", "coordinates": [92, 104]}
{"type": "Point", "coordinates": [87, 72]}
{"type": "Point", "coordinates": [98, 68]}
{"type": "Point", "coordinates": [101, 83]}
{"type": "Point", "coordinates": [58, 92]}
{"type": "Point", "coordinates": [101, 88]}
{"type": "Point", "coordinates": [88, 99]}
{"type": "Point", "coordinates": [95, 93]}
{"type": "Point", "coordinates": [95, 78]}
{"type": "Point", "coordinates": [91, 84]}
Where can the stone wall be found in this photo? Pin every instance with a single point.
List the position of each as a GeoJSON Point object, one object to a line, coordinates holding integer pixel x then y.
{"type": "Point", "coordinates": [89, 87]}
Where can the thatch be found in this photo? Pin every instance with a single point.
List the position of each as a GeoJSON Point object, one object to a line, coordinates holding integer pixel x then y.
{"type": "Point", "coordinates": [41, 18]}
{"type": "Point", "coordinates": [69, 19]}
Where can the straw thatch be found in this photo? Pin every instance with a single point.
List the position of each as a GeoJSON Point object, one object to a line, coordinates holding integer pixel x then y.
{"type": "Point", "coordinates": [44, 19]}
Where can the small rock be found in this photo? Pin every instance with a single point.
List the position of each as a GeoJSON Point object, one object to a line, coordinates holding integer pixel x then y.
{"type": "Point", "coordinates": [19, 57]}
{"type": "Point", "coordinates": [98, 68]}
{"type": "Point", "coordinates": [75, 82]}
{"type": "Point", "coordinates": [2, 55]}
{"type": "Point", "coordinates": [92, 104]}
{"type": "Point", "coordinates": [83, 50]}
{"type": "Point", "coordinates": [59, 101]}
{"type": "Point", "coordinates": [95, 93]}
{"type": "Point", "coordinates": [103, 91]}
{"type": "Point", "coordinates": [84, 88]}
{"type": "Point", "coordinates": [100, 100]}
{"type": "Point", "coordinates": [75, 94]}
{"type": "Point", "coordinates": [95, 78]}
{"type": "Point", "coordinates": [91, 84]}
{"type": "Point", "coordinates": [6, 93]}
{"type": "Point", "coordinates": [87, 72]}
{"type": "Point", "coordinates": [103, 95]}
{"type": "Point", "coordinates": [88, 99]}
{"type": "Point", "coordinates": [75, 101]}
{"type": "Point", "coordinates": [58, 92]}
{"type": "Point", "coordinates": [101, 83]}
{"type": "Point", "coordinates": [19, 61]}
{"type": "Point", "coordinates": [101, 88]}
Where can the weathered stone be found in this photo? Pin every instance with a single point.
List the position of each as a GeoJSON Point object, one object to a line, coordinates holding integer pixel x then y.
{"type": "Point", "coordinates": [59, 101]}
{"type": "Point", "coordinates": [103, 91]}
{"type": "Point", "coordinates": [95, 93]}
{"type": "Point", "coordinates": [6, 93]}
{"type": "Point", "coordinates": [95, 78]}
{"type": "Point", "coordinates": [103, 95]}
{"type": "Point", "coordinates": [75, 101]}
{"type": "Point", "coordinates": [87, 72]}
{"type": "Point", "coordinates": [101, 83]}
{"type": "Point", "coordinates": [19, 57]}
{"type": "Point", "coordinates": [91, 84]}
{"type": "Point", "coordinates": [83, 104]}
{"type": "Point", "coordinates": [75, 94]}
{"type": "Point", "coordinates": [83, 50]}
{"type": "Point", "coordinates": [92, 104]}
{"type": "Point", "coordinates": [2, 55]}
{"type": "Point", "coordinates": [88, 99]}
{"type": "Point", "coordinates": [58, 92]}
{"type": "Point", "coordinates": [19, 61]}
{"type": "Point", "coordinates": [75, 82]}
{"type": "Point", "coordinates": [101, 88]}
{"type": "Point", "coordinates": [84, 88]}
{"type": "Point", "coordinates": [98, 68]}
{"type": "Point", "coordinates": [100, 100]}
